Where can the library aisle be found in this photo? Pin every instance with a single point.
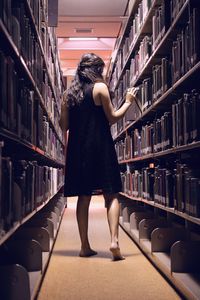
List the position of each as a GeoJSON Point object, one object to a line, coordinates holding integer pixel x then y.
{"type": "Point", "coordinates": [70, 277]}
{"type": "Point", "coordinates": [147, 48]}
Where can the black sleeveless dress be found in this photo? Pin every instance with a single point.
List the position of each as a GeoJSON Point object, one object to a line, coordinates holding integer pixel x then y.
{"type": "Point", "coordinates": [91, 161]}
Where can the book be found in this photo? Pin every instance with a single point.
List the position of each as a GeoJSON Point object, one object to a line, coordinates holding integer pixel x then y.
{"type": "Point", "coordinates": [16, 34]}
{"type": "Point", "coordinates": [161, 75]}
{"type": "Point", "coordinates": [147, 183]}
{"type": "Point", "coordinates": [185, 49]}
{"type": "Point", "coordinates": [144, 94]}
{"type": "Point", "coordinates": [1, 187]}
{"type": "Point", "coordinates": [3, 90]}
{"type": "Point", "coordinates": [175, 7]}
{"type": "Point", "coordinates": [195, 105]}
{"type": "Point", "coordinates": [5, 14]}
{"type": "Point", "coordinates": [137, 183]}
{"type": "Point", "coordinates": [195, 37]}
{"type": "Point", "coordinates": [6, 193]}
{"type": "Point", "coordinates": [38, 113]}
{"type": "Point", "coordinates": [160, 23]}
{"type": "Point", "coordinates": [185, 120]}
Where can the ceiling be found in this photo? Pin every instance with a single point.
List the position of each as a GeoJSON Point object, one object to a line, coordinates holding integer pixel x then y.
{"type": "Point", "coordinates": [92, 7]}
{"type": "Point", "coordinates": [99, 19]}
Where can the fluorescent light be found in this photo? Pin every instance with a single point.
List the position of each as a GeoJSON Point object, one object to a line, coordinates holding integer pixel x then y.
{"type": "Point", "coordinates": [83, 30]}
{"type": "Point", "coordinates": [83, 38]}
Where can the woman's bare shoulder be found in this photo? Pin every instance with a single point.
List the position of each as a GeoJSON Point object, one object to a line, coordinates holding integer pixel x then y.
{"type": "Point", "coordinates": [100, 88]}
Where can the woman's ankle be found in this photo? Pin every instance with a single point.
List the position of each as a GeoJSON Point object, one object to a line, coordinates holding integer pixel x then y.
{"type": "Point", "coordinates": [85, 247]}
{"type": "Point", "coordinates": [114, 243]}
{"type": "Point", "coordinates": [87, 252]}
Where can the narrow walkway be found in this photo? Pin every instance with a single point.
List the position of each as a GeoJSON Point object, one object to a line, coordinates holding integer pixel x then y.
{"type": "Point", "coordinates": [70, 277]}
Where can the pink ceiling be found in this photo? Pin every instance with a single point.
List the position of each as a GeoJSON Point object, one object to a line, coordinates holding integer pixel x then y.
{"type": "Point", "coordinates": [100, 27]}
{"type": "Point", "coordinates": [92, 7]}
{"type": "Point", "coordinates": [104, 22]}
{"type": "Point", "coordinates": [70, 58]}
{"type": "Point", "coordinates": [100, 44]}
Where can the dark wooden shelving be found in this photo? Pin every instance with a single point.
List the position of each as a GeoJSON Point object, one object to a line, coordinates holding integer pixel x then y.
{"type": "Point", "coordinates": [166, 98]}
{"type": "Point", "coordinates": [187, 285]}
{"type": "Point", "coordinates": [166, 208]}
{"type": "Point", "coordinates": [8, 234]}
{"type": "Point", "coordinates": [7, 38]}
{"type": "Point", "coordinates": [15, 148]}
{"type": "Point", "coordinates": [13, 138]}
{"type": "Point", "coordinates": [162, 49]}
{"type": "Point", "coordinates": [173, 150]}
{"type": "Point", "coordinates": [140, 158]}
{"type": "Point", "coordinates": [21, 63]}
{"type": "Point", "coordinates": [31, 17]}
{"type": "Point", "coordinates": [45, 261]}
{"type": "Point", "coordinates": [124, 33]}
{"type": "Point", "coordinates": [53, 53]}
{"type": "Point", "coordinates": [145, 29]}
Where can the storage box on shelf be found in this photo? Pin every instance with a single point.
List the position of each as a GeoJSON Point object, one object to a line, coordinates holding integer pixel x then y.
{"type": "Point", "coordinates": [158, 150]}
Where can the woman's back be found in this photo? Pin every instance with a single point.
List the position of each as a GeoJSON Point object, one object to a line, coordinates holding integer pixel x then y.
{"type": "Point", "coordinates": [91, 159]}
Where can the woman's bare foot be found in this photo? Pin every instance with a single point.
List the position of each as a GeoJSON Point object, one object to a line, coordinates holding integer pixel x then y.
{"type": "Point", "coordinates": [115, 250]}
{"type": "Point", "coordinates": [87, 252]}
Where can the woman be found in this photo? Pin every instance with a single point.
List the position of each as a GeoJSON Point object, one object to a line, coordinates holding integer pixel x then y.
{"type": "Point", "coordinates": [91, 162]}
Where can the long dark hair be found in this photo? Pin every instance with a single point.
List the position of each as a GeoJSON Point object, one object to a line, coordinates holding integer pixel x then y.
{"type": "Point", "coordinates": [89, 70]}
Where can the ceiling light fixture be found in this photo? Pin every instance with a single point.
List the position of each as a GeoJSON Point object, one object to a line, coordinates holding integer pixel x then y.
{"type": "Point", "coordinates": [83, 30]}
{"type": "Point", "coordinates": [83, 38]}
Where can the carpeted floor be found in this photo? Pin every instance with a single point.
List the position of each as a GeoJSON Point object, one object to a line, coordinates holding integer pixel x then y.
{"type": "Point", "coordinates": [70, 277]}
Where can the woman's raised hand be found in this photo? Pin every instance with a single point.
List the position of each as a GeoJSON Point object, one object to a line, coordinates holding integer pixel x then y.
{"type": "Point", "coordinates": [131, 94]}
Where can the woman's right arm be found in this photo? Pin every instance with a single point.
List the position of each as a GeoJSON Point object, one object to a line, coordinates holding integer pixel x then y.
{"type": "Point", "coordinates": [64, 118]}
{"type": "Point", "coordinates": [101, 94]}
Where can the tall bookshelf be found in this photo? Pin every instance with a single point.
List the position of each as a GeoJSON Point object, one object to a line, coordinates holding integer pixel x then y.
{"type": "Point", "coordinates": [31, 146]}
{"type": "Point", "coordinates": [158, 141]}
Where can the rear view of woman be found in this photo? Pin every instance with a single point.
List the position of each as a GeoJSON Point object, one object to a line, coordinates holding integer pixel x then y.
{"type": "Point", "coordinates": [91, 162]}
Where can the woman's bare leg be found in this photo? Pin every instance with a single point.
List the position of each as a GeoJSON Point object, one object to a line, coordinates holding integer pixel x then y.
{"type": "Point", "coordinates": [112, 205]}
{"type": "Point", "coordinates": [82, 219]}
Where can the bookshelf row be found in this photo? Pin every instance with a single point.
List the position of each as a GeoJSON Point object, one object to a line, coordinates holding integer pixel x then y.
{"type": "Point", "coordinates": [148, 55]}
{"type": "Point", "coordinates": [51, 62]}
{"type": "Point", "coordinates": [155, 86]}
{"type": "Point", "coordinates": [13, 143]}
{"type": "Point", "coordinates": [157, 142]}
{"type": "Point", "coordinates": [35, 74]}
{"type": "Point", "coordinates": [173, 131]}
{"type": "Point", "coordinates": [26, 254]}
{"type": "Point", "coordinates": [171, 184]}
{"type": "Point", "coordinates": [30, 87]}
{"type": "Point", "coordinates": [137, 117]}
{"type": "Point", "coordinates": [27, 186]}
{"type": "Point", "coordinates": [18, 224]}
{"type": "Point", "coordinates": [162, 207]}
{"type": "Point", "coordinates": [54, 48]}
{"type": "Point", "coordinates": [32, 145]}
{"type": "Point", "coordinates": [160, 154]}
{"type": "Point", "coordinates": [146, 28]}
{"type": "Point", "coordinates": [172, 248]}
{"type": "Point", "coordinates": [124, 31]}
{"type": "Point", "coordinates": [143, 28]}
